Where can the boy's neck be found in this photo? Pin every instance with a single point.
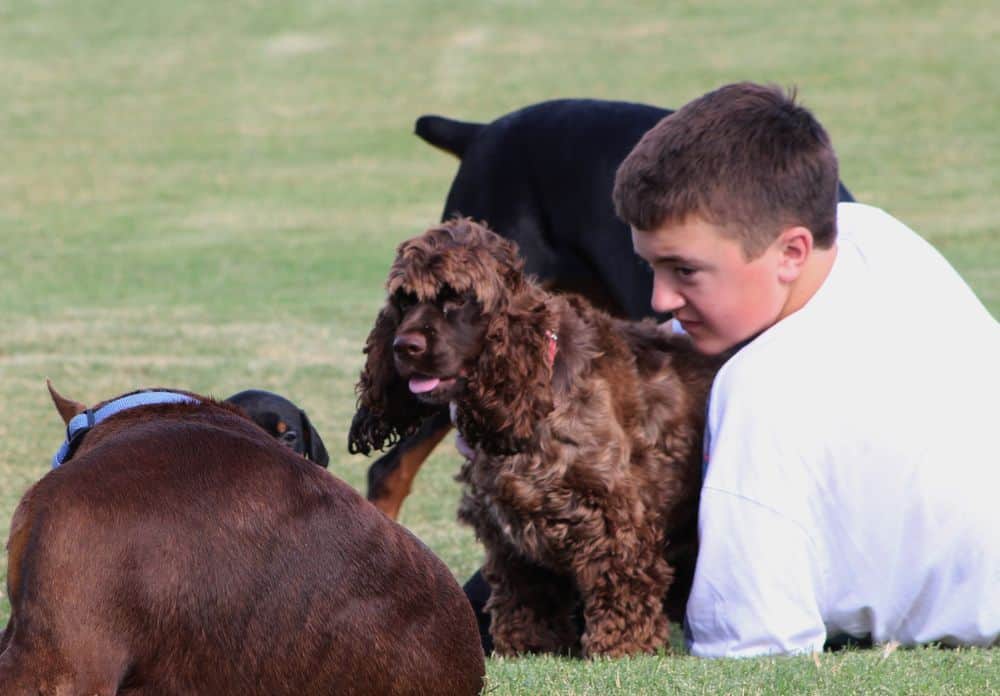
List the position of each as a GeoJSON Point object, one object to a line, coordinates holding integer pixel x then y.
{"type": "Point", "coordinates": [814, 274]}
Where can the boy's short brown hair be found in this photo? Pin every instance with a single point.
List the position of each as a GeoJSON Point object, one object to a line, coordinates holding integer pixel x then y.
{"type": "Point", "coordinates": [745, 157]}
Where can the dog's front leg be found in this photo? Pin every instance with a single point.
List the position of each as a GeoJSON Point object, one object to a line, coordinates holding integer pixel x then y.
{"type": "Point", "coordinates": [531, 608]}
{"type": "Point", "coordinates": [623, 579]}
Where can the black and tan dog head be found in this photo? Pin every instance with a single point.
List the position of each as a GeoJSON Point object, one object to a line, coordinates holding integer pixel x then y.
{"type": "Point", "coordinates": [284, 421]}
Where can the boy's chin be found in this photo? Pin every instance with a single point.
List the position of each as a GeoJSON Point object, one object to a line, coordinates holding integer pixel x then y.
{"type": "Point", "coordinates": [720, 345]}
{"type": "Point", "coordinates": [710, 345]}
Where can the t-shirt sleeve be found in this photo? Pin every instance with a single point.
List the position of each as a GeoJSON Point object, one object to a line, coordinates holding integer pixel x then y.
{"type": "Point", "coordinates": [755, 588]}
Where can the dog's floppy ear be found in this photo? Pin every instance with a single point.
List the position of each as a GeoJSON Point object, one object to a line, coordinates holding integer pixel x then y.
{"type": "Point", "coordinates": [512, 387]}
{"type": "Point", "coordinates": [386, 409]}
{"type": "Point", "coordinates": [312, 442]}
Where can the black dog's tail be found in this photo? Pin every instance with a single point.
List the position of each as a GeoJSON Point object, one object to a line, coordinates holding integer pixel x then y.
{"type": "Point", "coordinates": [449, 135]}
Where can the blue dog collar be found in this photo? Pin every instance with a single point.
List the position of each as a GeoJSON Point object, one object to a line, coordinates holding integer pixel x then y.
{"type": "Point", "coordinates": [81, 423]}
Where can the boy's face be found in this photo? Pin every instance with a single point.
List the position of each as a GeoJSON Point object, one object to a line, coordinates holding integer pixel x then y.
{"type": "Point", "coordinates": [702, 276]}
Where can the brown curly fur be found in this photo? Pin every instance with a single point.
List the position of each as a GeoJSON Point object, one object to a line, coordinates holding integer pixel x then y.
{"type": "Point", "coordinates": [583, 484]}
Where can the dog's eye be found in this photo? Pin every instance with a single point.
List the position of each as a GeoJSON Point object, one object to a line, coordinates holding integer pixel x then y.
{"type": "Point", "coordinates": [452, 306]}
{"type": "Point", "coordinates": [405, 300]}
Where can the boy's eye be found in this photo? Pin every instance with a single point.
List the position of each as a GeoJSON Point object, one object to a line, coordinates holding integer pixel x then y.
{"type": "Point", "coordinates": [684, 271]}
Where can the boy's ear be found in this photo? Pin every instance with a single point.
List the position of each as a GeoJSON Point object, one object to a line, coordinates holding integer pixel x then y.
{"type": "Point", "coordinates": [795, 245]}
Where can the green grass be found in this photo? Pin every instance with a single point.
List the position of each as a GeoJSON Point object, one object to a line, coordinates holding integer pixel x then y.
{"type": "Point", "coordinates": [207, 195]}
{"type": "Point", "coordinates": [927, 670]}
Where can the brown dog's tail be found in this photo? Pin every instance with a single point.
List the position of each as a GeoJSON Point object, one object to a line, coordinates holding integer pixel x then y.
{"type": "Point", "coordinates": [447, 134]}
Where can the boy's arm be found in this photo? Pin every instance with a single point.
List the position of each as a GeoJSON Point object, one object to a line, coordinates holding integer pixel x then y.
{"type": "Point", "coordinates": [756, 588]}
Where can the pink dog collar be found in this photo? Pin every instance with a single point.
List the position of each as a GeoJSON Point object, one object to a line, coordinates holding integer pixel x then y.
{"type": "Point", "coordinates": [553, 346]}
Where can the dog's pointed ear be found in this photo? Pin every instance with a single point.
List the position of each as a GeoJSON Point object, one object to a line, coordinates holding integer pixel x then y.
{"type": "Point", "coordinates": [386, 409]}
{"type": "Point", "coordinates": [512, 389]}
{"type": "Point", "coordinates": [67, 408]}
{"type": "Point", "coordinates": [314, 448]}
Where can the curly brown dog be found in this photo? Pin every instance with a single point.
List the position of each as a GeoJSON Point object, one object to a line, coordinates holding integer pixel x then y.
{"type": "Point", "coordinates": [582, 433]}
{"type": "Point", "coordinates": [179, 549]}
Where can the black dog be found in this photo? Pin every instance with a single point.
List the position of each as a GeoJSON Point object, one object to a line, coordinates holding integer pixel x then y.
{"type": "Point", "coordinates": [284, 421]}
{"type": "Point", "coordinates": [541, 176]}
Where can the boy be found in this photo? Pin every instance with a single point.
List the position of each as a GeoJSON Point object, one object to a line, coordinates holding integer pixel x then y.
{"type": "Point", "coordinates": [851, 450]}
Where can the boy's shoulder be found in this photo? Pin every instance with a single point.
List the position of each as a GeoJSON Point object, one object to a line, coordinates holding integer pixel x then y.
{"type": "Point", "coordinates": [815, 351]}
{"type": "Point", "coordinates": [875, 231]}
{"type": "Point", "coordinates": [771, 381]}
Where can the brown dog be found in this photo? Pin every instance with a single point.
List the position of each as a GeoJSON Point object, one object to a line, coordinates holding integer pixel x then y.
{"type": "Point", "coordinates": [582, 435]}
{"type": "Point", "coordinates": [178, 549]}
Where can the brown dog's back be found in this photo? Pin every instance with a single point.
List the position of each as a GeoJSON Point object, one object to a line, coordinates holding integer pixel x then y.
{"type": "Point", "coordinates": [186, 552]}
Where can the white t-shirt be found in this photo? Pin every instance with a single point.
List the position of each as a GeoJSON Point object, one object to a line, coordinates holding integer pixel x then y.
{"type": "Point", "coordinates": [853, 462]}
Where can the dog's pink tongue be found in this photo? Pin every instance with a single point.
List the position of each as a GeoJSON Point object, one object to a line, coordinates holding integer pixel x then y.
{"type": "Point", "coordinates": [419, 385]}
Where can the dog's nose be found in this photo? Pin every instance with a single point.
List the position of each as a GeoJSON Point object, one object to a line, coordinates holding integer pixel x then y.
{"type": "Point", "coordinates": [409, 344]}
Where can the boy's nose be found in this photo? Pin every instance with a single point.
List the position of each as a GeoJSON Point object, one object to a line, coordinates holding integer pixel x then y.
{"type": "Point", "coordinates": [665, 299]}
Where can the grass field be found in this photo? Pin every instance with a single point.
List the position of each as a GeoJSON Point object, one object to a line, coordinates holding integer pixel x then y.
{"type": "Point", "coordinates": [207, 195]}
